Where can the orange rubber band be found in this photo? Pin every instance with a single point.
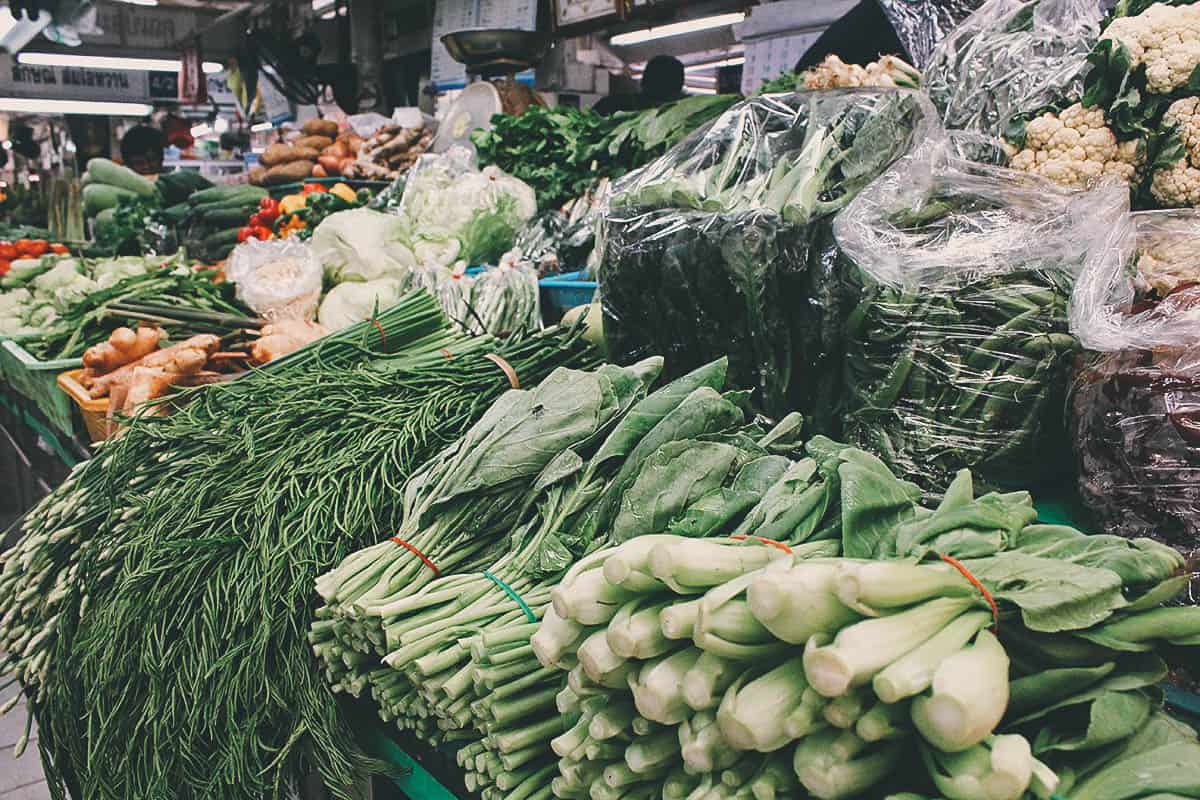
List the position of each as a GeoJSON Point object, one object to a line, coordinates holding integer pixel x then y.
{"type": "Point", "coordinates": [507, 367]}
{"type": "Point", "coordinates": [382, 335]}
{"type": "Point", "coordinates": [437, 572]}
{"type": "Point", "coordinates": [741, 537]}
{"type": "Point", "coordinates": [446, 353]}
{"type": "Point", "coordinates": [966, 573]}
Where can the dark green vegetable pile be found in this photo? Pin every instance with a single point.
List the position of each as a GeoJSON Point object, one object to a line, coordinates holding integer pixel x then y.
{"type": "Point", "coordinates": [178, 661]}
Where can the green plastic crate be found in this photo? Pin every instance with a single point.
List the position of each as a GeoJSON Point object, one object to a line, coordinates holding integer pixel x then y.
{"type": "Point", "coordinates": [37, 380]}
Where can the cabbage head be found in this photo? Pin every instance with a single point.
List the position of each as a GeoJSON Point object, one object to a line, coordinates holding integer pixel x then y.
{"type": "Point", "coordinates": [351, 302]}
{"type": "Point", "coordinates": [363, 245]}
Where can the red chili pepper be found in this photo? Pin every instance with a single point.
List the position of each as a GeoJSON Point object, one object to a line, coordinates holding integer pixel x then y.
{"type": "Point", "coordinates": [8, 251]}
{"type": "Point", "coordinates": [262, 232]}
{"type": "Point", "coordinates": [256, 220]}
{"type": "Point", "coordinates": [245, 233]}
{"type": "Point", "coordinates": [268, 210]}
{"type": "Point", "coordinates": [59, 249]}
{"type": "Point", "coordinates": [5, 266]}
{"type": "Point", "coordinates": [33, 248]}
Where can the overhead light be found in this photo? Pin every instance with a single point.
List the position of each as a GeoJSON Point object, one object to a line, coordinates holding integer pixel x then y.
{"type": "Point", "coordinates": [108, 62]}
{"type": "Point", "coordinates": [34, 178]}
{"type": "Point", "coordinates": [203, 129]}
{"type": "Point", "coordinates": [16, 33]}
{"type": "Point", "coordinates": [7, 145]}
{"type": "Point", "coordinates": [677, 28]}
{"type": "Point", "coordinates": [24, 105]}
{"type": "Point", "coordinates": [701, 89]}
{"type": "Point", "coordinates": [221, 125]}
{"type": "Point", "coordinates": [259, 127]}
{"type": "Point", "coordinates": [322, 5]}
{"type": "Point", "coordinates": [139, 2]}
{"type": "Point", "coordinates": [725, 62]}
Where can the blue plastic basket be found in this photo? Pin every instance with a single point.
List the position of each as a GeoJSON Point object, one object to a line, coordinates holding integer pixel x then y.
{"type": "Point", "coordinates": [561, 293]}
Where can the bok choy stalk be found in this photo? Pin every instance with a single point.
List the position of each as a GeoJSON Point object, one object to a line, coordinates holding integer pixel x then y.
{"type": "Point", "coordinates": [1001, 768]}
{"type": "Point", "coordinates": [968, 696]}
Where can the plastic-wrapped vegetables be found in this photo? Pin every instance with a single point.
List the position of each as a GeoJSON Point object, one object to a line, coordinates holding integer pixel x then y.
{"type": "Point", "coordinates": [1135, 406]}
{"type": "Point", "coordinates": [1011, 58]}
{"type": "Point", "coordinates": [958, 350]}
{"type": "Point", "coordinates": [706, 251]}
{"type": "Point", "coordinates": [505, 301]}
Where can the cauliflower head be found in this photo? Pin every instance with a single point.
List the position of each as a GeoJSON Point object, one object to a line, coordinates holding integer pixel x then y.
{"type": "Point", "coordinates": [1179, 184]}
{"type": "Point", "coordinates": [1076, 149]}
{"type": "Point", "coordinates": [1164, 38]}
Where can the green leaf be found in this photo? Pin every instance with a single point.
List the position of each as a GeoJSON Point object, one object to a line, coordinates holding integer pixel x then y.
{"type": "Point", "coordinates": [874, 503]}
{"type": "Point", "coordinates": [1131, 673]}
{"type": "Point", "coordinates": [1109, 718]}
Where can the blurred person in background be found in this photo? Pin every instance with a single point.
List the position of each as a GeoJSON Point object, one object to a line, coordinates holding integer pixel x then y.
{"type": "Point", "coordinates": [142, 149]}
{"type": "Point", "coordinates": [662, 83]}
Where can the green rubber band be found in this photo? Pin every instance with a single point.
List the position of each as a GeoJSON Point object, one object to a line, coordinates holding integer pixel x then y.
{"type": "Point", "coordinates": [508, 590]}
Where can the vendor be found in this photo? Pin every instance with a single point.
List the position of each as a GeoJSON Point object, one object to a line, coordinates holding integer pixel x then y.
{"type": "Point", "coordinates": [662, 83]}
{"type": "Point", "coordinates": [860, 36]}
{"type": "Point", "coordinates": [142, 149]}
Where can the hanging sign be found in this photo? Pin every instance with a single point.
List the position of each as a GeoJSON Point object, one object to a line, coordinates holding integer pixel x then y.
{"type": "Point", "coordinates": [193, 88]}
{"type": "Point", "coordinates": [73, 83]}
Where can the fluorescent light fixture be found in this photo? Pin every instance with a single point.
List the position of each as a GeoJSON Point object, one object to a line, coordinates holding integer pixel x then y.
{"type": "Point", "coordinates": [7, 145]}
{"type": "Point", "coordinates": [221, 125]}
{"type": "Point", "coordinates": [7, 21]}
{"type": "Point", "coordinates": [676, 29]}
{"type": "Point", "coordinates": [203, 129]}
{"type": "Point", "coordinates": [108, 62]}
{"type": "Point", "coordinates": [701, 89]}
{"type": "Point", "coordinates": [725, 62]}
{"type": "Point", "coordinates": [261, 126]}
{"type": "Point", "coordinates": [139, 2]}
{"type": "Point", "coordinates": [24, 105]}
{"type": "Point", "coordinates": [322, 5]}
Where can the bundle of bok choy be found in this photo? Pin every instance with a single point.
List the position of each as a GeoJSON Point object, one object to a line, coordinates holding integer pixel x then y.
{"type": "Point", "coordinates": [180, 560]}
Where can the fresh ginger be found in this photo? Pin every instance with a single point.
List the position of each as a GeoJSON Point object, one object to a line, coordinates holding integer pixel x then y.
{"type": "Point", "coordinates": [185, 358]}
{"type": "Point", "coordinates": [124, 346]}
{"type": "Point", "coordinates": [280, 338]}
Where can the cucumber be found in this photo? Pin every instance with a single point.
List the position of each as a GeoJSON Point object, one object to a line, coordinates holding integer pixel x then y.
{"type": "Point", "coordinates": [221, 238]}
{"type": "Point", "coordinates": [104, 171]}
{"type": "Point", "coordinates": [225, 217]}
{"type": "Point", "coordinates": [225, 205]}
{"type": "Point", "coordinates": [99, 196]}
{"type": "Point", "coordinates": [103, 220]}
{"type": "Point", "coordinates": [222, 193]}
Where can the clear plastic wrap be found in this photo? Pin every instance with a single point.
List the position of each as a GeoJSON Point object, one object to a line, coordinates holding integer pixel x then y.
{"type": "Point", "coordinates": [1135, 404]}
{"type": "Point", "coordinates": [505, 301]}
{"type": "Point", "coordinates": [1009, 58]}
{"type": "Point", "coordinates": [958, 351]}
{"type": "Point", "coordinates": [802, 155]}
{"type": "Point", "coordinates": [921, 24]}
{"type": "Point", "coordinates": [278, 278]}
{"type": "Point", "coordinates": [716, 248]}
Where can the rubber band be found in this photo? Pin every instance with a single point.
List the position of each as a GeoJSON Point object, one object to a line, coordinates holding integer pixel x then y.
{"type": "Point", "coordinates": [508, 590]}
{"type": "Point", "coordinates": [507, 367]}
{"type": "Point", "coordinates": [449, 356]}
{"type": "Point", "coordinates": [437, 572]}
{"type": "Point", "coordinates": [741, 537]}
{"type": "Point", "coordinates": [382, 335]}
{"type": "Point", "coordinates": [978, 584]}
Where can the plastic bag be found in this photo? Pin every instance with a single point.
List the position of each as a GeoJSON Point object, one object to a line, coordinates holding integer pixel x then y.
{"type": "Point", "coordinates": [1010, 58]}
{"type": "Point", "coordinates": [710, 251]}
{"type": "Point", "coordinates": [802, 155]}
{"type": "Point", "coordinates": [958, 351]}
{"type": "Point", "coordinates": [921, 24]}
{"type": "Point", "coordinates": [505, 301]}
{"type": "Point", "coordinates": [278, 278]}
{"type": "Point", "coordinates": [1135, 406]}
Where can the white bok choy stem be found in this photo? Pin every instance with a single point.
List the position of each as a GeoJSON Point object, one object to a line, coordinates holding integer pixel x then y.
{"type": "Point", "coordinates": [635, 631]}
{"type": "Point", "coordinates": [704, 684]}
{"type": "Point", "coordinates": [913, 672]}
{"type": "Point", "coordinates": [753, 711]}
{"type": "Point", "coordinates": [798, 602]}
{"type": "Point", "coordinates": [1001, 768]}
{"type": "Point", "coordinates": [968, 698]}
{"type": "Point", "coordinates": [690, 566]}
{"type": "Point", "coordinates": [873, 588]}
{"type": "Point", "coordinates": [726, 626]}
{"type": "Point", "coordinates": [864, 648]}
{"type": "Point", "coordinates": [828, 778]}
{"type": "Point", "coordinates": [658, 688]}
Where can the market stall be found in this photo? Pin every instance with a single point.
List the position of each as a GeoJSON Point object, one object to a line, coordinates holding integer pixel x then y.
{"type": "Point", "coordinates": [841, 440]}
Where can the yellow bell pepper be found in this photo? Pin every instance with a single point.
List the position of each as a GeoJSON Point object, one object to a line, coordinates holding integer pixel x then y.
{"type": "Point", "coordinates": [293, 224]}
{"type": "Point", "coordinates": [345, 192]}
{"type": "Point", "coordinates": [292, 203]}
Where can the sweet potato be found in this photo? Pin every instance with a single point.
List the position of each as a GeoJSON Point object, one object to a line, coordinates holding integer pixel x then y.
{"type": "Point", "coordinates": [123, 346]}
{"type": "Point", "coordinates": [321, 127]}
{"type": "Point", "coordinates": [290, 172]}
{"type": "Point", "coordinates": [340, 149]}
{"type": "Point", "coordinates": [317, 143]}
{"type": "Point", "coordinates": [319, 172]}
{"type": "Point", "coordinates": [278, 154]}
{"type": "Point", "coordinates": [187, 356]}
{"type": "Point", "coordinates": [256, 175]}
{"type": "Point", "coordinates": [331, 164]}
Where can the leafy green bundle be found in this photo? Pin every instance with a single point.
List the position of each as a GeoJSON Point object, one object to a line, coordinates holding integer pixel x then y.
{"type": "Point", "coordinates": [181, 559]}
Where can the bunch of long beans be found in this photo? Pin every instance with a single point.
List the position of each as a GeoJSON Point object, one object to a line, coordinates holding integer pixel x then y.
{"type": "Point", "coordinates": [189, 674]}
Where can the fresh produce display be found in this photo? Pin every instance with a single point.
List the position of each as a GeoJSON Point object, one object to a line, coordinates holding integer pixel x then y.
{"type": "Point", "coordinates": [679, 280]}
{"type": "Point", "coordinates": [562, 152]}
{"type": "Point", "coordinates": [106, 183]}
{"type": "Point", "coordinates": [1134, 404]}
{"type": "Point", "coordinates": [203, 528]}
{"type": "Point", "coordinates": [1010, 60]}
{"type": "Point", "coordinates": [300, 213]}
{"type": "Point", "coordinates": [958, 350]}
{"type": "Point", "coordinates": [64, 305]}
{"type": "Point", "coordinates": [389, 152]}
{"type": "Point", "coordinates": [562, 241]}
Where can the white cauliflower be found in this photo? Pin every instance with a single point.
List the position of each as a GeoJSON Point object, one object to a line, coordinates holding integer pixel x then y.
{"type": "Point", "coordinates": [1179, 184]}
{"type": "Point", "coordinates": [1166, 264]}
{"type": "Point", "coordinates": [1164, 38]}
{"type": "Point", "coordinates": [1076, 149]}
{"type": "Point", "coordinates": [833, 73]}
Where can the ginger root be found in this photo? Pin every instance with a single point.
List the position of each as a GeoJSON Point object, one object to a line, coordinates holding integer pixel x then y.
{"type": "Point", "coordinates": [124, 346]}
{"type": "Point", "coordinates": [280, 338]}
{"type": "Point", "coordinates": [187, 357]}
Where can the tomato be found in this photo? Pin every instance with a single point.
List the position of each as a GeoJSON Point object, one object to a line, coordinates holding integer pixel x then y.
{"type": "Point", "coordinates": [256, 221]}
{"type": "Point", "coordinates": [262, 232]}
{"type": "Point", "coordinates": [8, 251]}
{"type": "Point", "coordinates": [311, 188]}
{"type": "Point", "coordinates": [32, 248]}
{"type": "Point", "coordinates": [245, 233]}
{"type": "Point", "coordinates": [5, 266]}
{"type": "Point", "coordinates": [59, 249]}
{"type": "Point", "coordinates": [268, 210]}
